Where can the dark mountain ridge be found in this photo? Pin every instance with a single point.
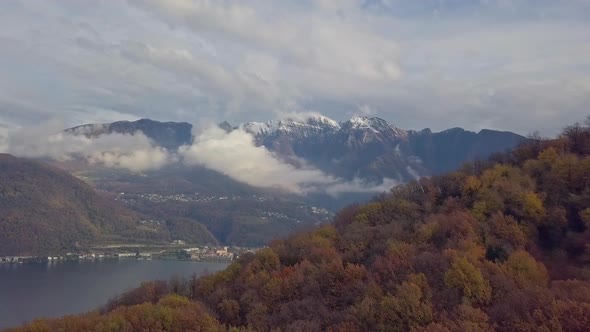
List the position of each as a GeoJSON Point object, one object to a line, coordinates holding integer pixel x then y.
{"type": "Point", "coordinates": [447, 150]}
{"type": "Point", "coordinates": [169, 135]}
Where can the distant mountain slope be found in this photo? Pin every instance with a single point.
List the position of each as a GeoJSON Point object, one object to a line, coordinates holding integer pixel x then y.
{"type": "Point", "coordinates": [373, 148]}
{"type": "Point", "coordinates": [169, 135]}
{"type": "Point", "coordinates": [447, 150]}
{"type": "Point", "coordinates": [233, 212]}
{"type": "Point", "coordinates": [361, 147]}
{"type": "Point", "coordinates": [44, 209]}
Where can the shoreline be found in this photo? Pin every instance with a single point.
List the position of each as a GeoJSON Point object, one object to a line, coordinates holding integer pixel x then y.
{"type": "Point", "coordinates": [36, 260]}
{"type": "Point", "coordinates": [195, 254]}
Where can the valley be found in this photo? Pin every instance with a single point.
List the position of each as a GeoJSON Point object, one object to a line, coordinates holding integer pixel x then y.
{"type": "Point", "coordinates": [201, 204]}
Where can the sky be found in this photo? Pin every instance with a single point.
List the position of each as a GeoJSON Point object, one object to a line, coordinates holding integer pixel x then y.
{"type": "Point", "coordinates": [518, 65]}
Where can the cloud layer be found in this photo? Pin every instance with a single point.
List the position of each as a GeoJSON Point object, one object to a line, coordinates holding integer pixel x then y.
{"type": "Point", "coordinates": [518, 65]}
{"type": "Point", "coordinates": [234, 154]}
{"type": "Point", "coordinates": [133, 152]}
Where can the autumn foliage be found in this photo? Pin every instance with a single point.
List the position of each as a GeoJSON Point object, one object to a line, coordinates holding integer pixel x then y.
{"type": "Point", "coordinates": [502, 245]}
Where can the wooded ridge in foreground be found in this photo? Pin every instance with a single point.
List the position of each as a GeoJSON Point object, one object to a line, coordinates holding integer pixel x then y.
{"type": "Point", "coordinates": [496, 246]}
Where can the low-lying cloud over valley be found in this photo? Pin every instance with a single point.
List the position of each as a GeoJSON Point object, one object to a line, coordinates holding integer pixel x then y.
{"type": "Point", "coordinates": [133, 152]}
{"type": "Point", "coordinates": [234, 154]}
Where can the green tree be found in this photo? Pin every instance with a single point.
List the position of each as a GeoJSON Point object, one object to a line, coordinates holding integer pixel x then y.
{"type": "Point", "coordinates": [525, 270]}
{"type": "Point", "coordinates": [469, 280]}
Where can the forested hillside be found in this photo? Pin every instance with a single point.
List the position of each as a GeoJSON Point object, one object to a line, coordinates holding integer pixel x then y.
{"type": "Point", "coordinates": [495, 246]}
{"type": "Point", "coordinates": [230, 211]}
{"type": "Point", "coordinates": [44, 210]}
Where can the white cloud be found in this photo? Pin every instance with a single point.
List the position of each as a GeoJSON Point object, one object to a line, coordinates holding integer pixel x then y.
{"type": "Point", "coordinates": [136, 161]}
{"type": "Point", "coordinates": [133, 152]}
{"type": "Point", "coordinates": [361, 186]}
{"type": "Point", "coordinates": [315, 50]}
{"type": "Point", "coordinates": [236, 155]}
{"type": "Point", "coordinates": [366, 110]}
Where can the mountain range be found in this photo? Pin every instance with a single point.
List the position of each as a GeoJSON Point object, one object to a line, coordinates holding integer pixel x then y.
{"type": "Point", "coordinates": [44, 208]}
{"type": "Point", "coordinates": [372, 148]}
{"type": "Point", "coordinates": [361, 147]}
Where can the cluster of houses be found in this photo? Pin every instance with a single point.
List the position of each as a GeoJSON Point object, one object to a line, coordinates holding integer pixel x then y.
{"type": "Point", "coordinates": [209, 254]}
{"type": "Point", "coordinates": [68, 257]}
{"type": "Point", "coordinates": [16, 259]}
{"type": "Point", "coordinates": [320, 211]}
{"type": "Point", "coordinates": [195, 198]}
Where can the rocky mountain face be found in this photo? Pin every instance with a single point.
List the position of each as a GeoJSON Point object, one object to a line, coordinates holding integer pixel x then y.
{"type": "Point", "coordinates": [372, 148]}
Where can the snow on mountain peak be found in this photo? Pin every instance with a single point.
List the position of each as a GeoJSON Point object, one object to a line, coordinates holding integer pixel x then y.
{"type": "Point", "coordinates": [291, 124]}
{"type": "Point", "coordinates": [324, 120]}
{"type": "Point", "coordinates": [309, 120]}
{"type": "Point", "coordinates": [306, 125]}
{"type": "Point", "coordinates": [360, 122]}
{"type": "Point", "coordinates": [363, 122]}
{"type": "Point", "coordinates": [374, 125]}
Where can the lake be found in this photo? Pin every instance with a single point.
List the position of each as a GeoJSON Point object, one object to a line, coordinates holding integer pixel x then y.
{"type": "Point", "coordinates": [28, 291]}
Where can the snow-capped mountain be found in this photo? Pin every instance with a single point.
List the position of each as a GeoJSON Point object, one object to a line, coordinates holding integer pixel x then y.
{"type": "Point", "coordinates": [371, 147]}
{"type": "Point", "coordinates": [375, 125]}
{"type": "Point", "coordinates": [321, 125]}
{"type": "Point", "coordinates": [311, 126]}
{"type": "Point", "coordinates": [349, 149]}
{"type": "Point", "coordinates": [361, 147]}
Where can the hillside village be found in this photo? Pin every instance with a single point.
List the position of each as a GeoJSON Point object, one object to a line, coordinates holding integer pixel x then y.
{"type": "Point", "coordinates": [134, 198]}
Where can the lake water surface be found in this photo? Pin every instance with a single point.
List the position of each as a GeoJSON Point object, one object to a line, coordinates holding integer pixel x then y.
{"type": "Point", "coordinates": [29, 291]}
